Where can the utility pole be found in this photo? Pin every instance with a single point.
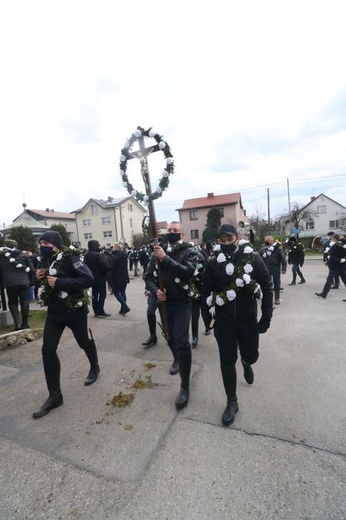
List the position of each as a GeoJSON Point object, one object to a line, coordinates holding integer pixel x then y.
{"type": "Point", "coordinates": [268, 205]}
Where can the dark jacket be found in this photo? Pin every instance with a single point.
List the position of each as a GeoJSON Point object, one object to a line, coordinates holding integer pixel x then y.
{"type": "Point", "coordinates": [119, 268]}
{"type": "Point", "coordinates": [98, 264]}
{"type": "Point", "coordinates": [12, 275]}
{"type": "Point", "coordinates": [296, 254]}
{"type": "Point", "coordinates": [244, 306]}
{"type": "Point", "coordinates": [335, 256]}
{"type": "Point", "coordinates": [274, 257]}
{"type": "Point", "coordinates": [73, 277]}
{"type": "Point", "coordinates": [178, 267]}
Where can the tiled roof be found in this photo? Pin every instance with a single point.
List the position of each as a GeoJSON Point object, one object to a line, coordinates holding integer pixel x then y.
{"type": "Point", "coordinates": [52, 214]}
{"type": "Point", "coordinates": [212, 200]}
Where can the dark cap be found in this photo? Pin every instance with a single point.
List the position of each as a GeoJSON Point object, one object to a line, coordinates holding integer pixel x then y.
{"type": "Point", "coordinates": [53, 237]}
{"type": "Point", "coordinates": [292, 239]}
{"type": "Point", "coordinates": [226, 228]}
{"type": "Point", "coordinates": [93, 245]}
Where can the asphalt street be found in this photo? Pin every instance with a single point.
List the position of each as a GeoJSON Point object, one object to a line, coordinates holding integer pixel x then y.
{"type": "Point", "coordinates": [284, 458]}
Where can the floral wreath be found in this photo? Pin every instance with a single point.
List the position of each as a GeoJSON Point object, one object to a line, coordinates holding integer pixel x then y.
{"type": "Point", "coordinates": [45, 291]}
{"type": "Point", "coordinates": [269, 249]}
{"type": "Point", "coordinates": [168, 170]}
{"type": "Point", "coordinates": [241, 278]}
{"type": "Point", "coordinates": [5, 251]}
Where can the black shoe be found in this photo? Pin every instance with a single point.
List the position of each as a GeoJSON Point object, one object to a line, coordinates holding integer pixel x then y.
{"type": "Point", "coordinates": [182, 398]}
{"type": "Point", "coordinates": [98, 316]}
{"type": "Point", "coordinates": [277, 301]}
{"type": "Point", "coordinates": [248, 373]}
{"type": "Point", "coordinates": [51, 403]}
{"type": "Point", "coordinates": [126, 309]}
{"type": "Point", "coordinates": [104, 315]}
{"type": "Point", "coordinates": [92, 376]}
{"type": "Point", "coordinates": [302, 281]}
{"type": "Point", "coordinates": [207, 332]}
{"type": "Point", "coordinates": [320, 294]}
{"type": "Point", "coordinates": [230, 411]}
{"type": "Point", "coordinates": [152, 340]}
{"type": "Point", "coordinates": [174, 368]}
{"type": "Point", "coordinates": [25, 326]}
{"type": "Point", "coordinates": [281, 288]}
{"type": "Point", "coordinates": [292, 283]}
{"type": "Point", "coordinates": [334, 287]}
{"type": "Point", "coordinates": [194, 342]}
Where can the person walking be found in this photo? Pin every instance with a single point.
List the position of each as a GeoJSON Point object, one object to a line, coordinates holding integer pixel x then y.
{"type": "Point", "coordinates": [178, 264]}
{"type": "Point", "coordinates": [296, 257]}
{"type": "Point", "coordinates": [98, 264]}
{"type": "Point", "coordinates": [120, 276]}
{"type": "Point", "coordinates": [64, 280]}
{"type": "Point", "coordinates": [234, 279]}
{"type": "Point", "coordinates": [335, 259]}
{"type": "Point", "coordinates": [16, 272]}
{"type": "Point", "coordinates": [275, 259]}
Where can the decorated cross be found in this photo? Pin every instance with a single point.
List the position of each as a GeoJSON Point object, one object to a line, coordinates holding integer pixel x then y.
{"type": "Point", "coordinates": [147, 199]}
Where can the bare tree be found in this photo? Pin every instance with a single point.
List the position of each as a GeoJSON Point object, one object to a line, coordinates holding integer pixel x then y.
{"type": "Point", "coordinates": [300, 214]}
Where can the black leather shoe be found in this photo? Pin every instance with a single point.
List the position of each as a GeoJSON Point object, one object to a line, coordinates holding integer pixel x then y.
{"type": "Point", "coordinates": [320, 295]}
{"type": "Point", "coordinates": [301, 281]}
{"type": "Point", "coordinates": [248, 373]}
{"type": "Point", "coordinates": [194, 342]}
{"type": "Point", "coordinates": [152, 340]}
{"type": "Point", "coordinates": [51, 403]}
{"type": "Point", "coordinates": [292, 283]}
{"type": "Point", "coordinates": [174, 368]}
{"type": "Point", "coordinates": [182, 398]}
{"type": "Point", "coordinates": [104, 315]}
{"type": "Point", "coordinates": [207, 332]}
{"type": "Point", "coordinates": [230, 411]}
{"type": "Point", "coordinates": [92, 376]}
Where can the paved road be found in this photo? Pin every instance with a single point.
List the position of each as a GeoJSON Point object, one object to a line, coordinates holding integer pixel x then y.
{"type": "Point", "coordinates": [283, 458]}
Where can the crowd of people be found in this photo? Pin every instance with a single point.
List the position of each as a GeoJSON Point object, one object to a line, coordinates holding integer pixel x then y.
{"type": "Point", "coordinates": [228, 286]}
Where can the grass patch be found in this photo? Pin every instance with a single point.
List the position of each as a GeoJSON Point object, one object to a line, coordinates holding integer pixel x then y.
{"type": "Point", "coordinates": [36, 321]}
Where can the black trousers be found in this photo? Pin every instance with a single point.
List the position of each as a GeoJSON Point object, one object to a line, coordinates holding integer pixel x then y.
{"type": "Point", "coordinates": [99, 292]}
{"type": "Point", "coordinates": [230, 335]}
{"type": "Point", "coordinates": [51, 337]}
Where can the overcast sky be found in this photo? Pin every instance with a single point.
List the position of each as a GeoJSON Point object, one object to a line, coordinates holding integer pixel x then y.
{"type": "Point", "coordinates": [250, 96]}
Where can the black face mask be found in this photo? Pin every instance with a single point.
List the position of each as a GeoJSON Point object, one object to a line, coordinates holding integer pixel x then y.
{"type": "Point", "coordinates": [228, 249]}
{"type": "Point", "coordinates": [173, 237]}
{"type": "Point", "coordinates": [267, 243]}
{"type": "Point", "coordinates": [47, 251]}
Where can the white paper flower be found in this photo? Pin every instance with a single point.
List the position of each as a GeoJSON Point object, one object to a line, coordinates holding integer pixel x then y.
{"type": "Point", "coordinates": [231, 294]}
{"type": "Point", "coordinates": [221, 258]}
{"type": "Point", "coordinates": [152, 132]}
{"type": "Point", "coordinates": [145, 203]}
{"type": "Point", "coordinates": [133, 193]}
{"type": "Point", "coordinates": [122, 158]}
{"type": "Point", "coordinates": [7, 254]}
{"type": "Point", "coordinates": [126, 144]}
{"type": "Point", "coordinates": [247, 278]}
{"type": "Point", "coordinates": [158, 190]}
{"type": "Point", "coordinates": [229, 269]}
{"type": "Point", "coordinates": [155, 274]}
{"type": "Point", "coordinates": [122, 173]}
{"type": "Point", "coordinates": [239, 282]}
{"type": "Point", "coordinates": [72, 248]}
{"type": "Point", "coordinates": [269, 253]}
{"type": "Point", "coordinates": [248, 250]}
{"type": "Point", "coordinates": [177, 280]}
{"type": "Point", "coordinates": [18, 266]}
{"type": "Point", "coordinates": [219, 301]}
{"type": "Point", "coordinates": [342, 260]}
{"type": "Point", "coordinates": [137, 133]}
{"type": "Point", "coordinates": [209, 300]}
{"type": "Point", "coordinates": [165, 174]}
{"type": "Point", "coordinates": [169, 160]}
{"type": "Point", "coordinates": [27, 269]}
{"type": "Point", "coordinates": [11, 260]}
{"type": "Point", "coordinates": [162, 145]}
{"type": "Point", "coordinates": [185, 287]}
{"type": "Point", "coordinates": [191, 294]}
{"type": "Point", "coordinates": [63, 295]}
{"type": "Point", "coordinates": [52, 271]}
{"type": "Point", "coordinates": [145, 198]}
{"type": "Point", "coordinates": [79, 304]}
{"type": "Point", "coordinates": [125, 184]}
{"type": "Point", "coordinates": [40, 291]}
{"type": "Point", "coordinates": [216, 247]}
{"type": "Point", "coordinates": [59, 257]}
{"type": "Point", "coordinates": [248, 268]}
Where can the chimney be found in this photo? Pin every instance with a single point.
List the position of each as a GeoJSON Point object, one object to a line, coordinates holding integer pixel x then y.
{"type": "Point", "coordinates": [110, 199]}
{"type": "Point", "coordinates": [210, 195]}
{"type": "Point", "coordinates": [312, 198]}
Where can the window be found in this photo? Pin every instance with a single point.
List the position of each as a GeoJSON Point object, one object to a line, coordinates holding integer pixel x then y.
{"type": "Point", "coordinates": [87, 222]}
{"type": "Point", "coordinates": [194, 233]}
{"type": "Point", "coordinates": [93, 208]}
{"type": "Point", "coordinates": [106, 220]}
{"type": "Point", "coordinates": [309, 224]}
{"type": "Point", "coordinates": [322, 209]}
{"type": "Point", "coordinates": [107, 234]}
{"type": "Point", "coordinates": [129, 207]}
{"type": "Point", "coordinates": [333, 224]}
{"type": "Point", "coordinates": [87, 236]}
{"type": "Point", "coordinates": [193, 214]}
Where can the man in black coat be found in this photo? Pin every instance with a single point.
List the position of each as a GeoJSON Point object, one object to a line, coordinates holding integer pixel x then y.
{"type": "Point", "coordinates": [99, 265]}
{"type": "Point", "coordinates": [275, 259]}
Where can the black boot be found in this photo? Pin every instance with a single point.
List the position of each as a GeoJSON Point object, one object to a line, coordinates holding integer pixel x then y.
{"type": "Point", "coordinates": [15, 315]}
{"type": "Point", "coordinates": [277, 296]}
{"type": "Point", "coordinates": [174, 367]}
{"type": "Point", "coordinates": [184, 362]}
{"type": "Point", "coordinates": [248, 372]}
{"type": "Point", "coordinates": [230, 411]}
{"type": "Point", "coordinates": [152, 340]}
{"type": "Point", "coordinates": [54, 400]}
{"type": "Point", "coordinates": [91, 354]}
{"type": "Point", "coordinates": [126, 309]}
{"type": "Point", "coordinates": [92, 376]}
{"type": "Point", "coordinates": [25, 316]}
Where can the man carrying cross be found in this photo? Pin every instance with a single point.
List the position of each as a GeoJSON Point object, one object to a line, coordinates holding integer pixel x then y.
{"type": "Point", "coordinates": [178, 264]}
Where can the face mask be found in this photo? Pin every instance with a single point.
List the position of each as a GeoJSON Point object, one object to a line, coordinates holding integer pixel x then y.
{"type": "Point", "coordinates": [46, 251]}
{"type": "Point", "coordinates": [267, 243]}
{"type": "Point", "coordinates": [173, 237]}
{"type": "Point", "coordinates": [228, 249]}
